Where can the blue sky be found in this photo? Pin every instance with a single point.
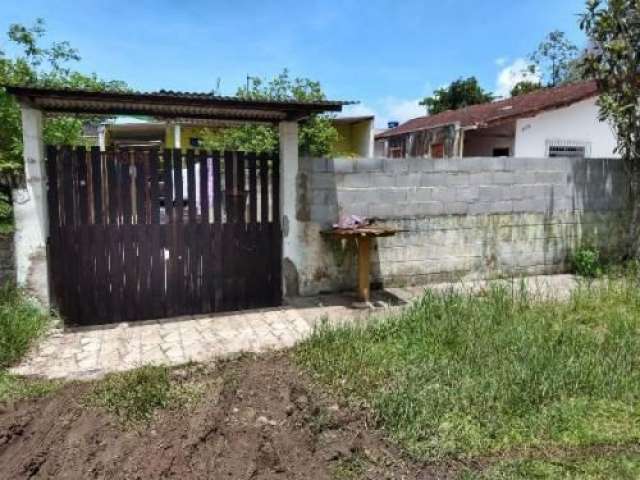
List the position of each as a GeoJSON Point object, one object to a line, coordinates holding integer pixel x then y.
{"type": "Point", "coordinates": [385, 53]}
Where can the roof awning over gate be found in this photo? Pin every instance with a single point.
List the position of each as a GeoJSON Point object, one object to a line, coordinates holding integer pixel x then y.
{"type": "Point", "coordinates": [169, 104]}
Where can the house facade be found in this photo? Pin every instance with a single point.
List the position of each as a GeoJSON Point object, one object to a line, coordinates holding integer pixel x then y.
{"type": "Point", "coordinates": [356, 134]}
{"type": "Point", "coordinates": [552, 122]}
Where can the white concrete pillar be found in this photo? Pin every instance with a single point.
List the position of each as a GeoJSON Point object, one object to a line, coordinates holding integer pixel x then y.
{"type": "Point", "coordinates": [102, 143]}
{"type": "Point", "coordinates": [177, 136]}
{"type": "Point", "coordinates": [34, 166]}
{"type": "Point", "coordinates": [292, 246]}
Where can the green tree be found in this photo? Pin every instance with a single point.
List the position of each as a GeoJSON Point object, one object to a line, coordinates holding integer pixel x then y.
{"type": "Point", "coordinates": [461, 93]}
{"type": "Point", "coordinates": [524, 87]}
{"type": "Point", "coordinates": [556, 59]}
{"type": "Point", "coordinates": [40, 66]}
{"type": "Point", "coordinates": [317, 135]}
{"type": "Point", "coordinates": [613, 60]}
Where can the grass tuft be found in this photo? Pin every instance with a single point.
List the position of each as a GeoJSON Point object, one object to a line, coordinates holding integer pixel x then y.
{"type": "Point", "coordinates": [21, 321]}
{"type": "Point", "coordinates": [135, 396]}
{"type": "Point", "coordinates": [16, 388]}
{"type": "Point", "coordinates": [459, 375]}
{"type": "Point", "coordinates": [600, 467]}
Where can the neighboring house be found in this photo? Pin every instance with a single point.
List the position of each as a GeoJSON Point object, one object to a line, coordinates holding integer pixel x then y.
{"type": "Point", "coordinates": [560, 121]}
{"type": "Point", "coordinates": [356, 133]}
{"type": "Point", "coordinates": [356, 136]}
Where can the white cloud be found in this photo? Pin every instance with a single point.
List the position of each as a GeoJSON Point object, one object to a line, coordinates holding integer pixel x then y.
{"type": "Point", "coordinates": [512, 74]}
{"type": "Point", "coordinates": [358, 110]}
{"type": "Point", "coordinates": [501, 61]}
{"type": "Point", "coordinates": [403, 110]}
{"type": "Point", "coordinates": [387, 109]}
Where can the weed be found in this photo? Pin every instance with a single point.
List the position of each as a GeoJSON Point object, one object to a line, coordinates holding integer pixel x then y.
{"type": "Point", "coordinates": [464, 375]}
{"type": "Point", "coordinates": [15, 388]}
{"type": "Point", "coordinates": [21, 321]}
{"type": "Point", "coordinates": [350, 468]}
{"type": "Point", "coordinates": [586, 261]}
{"type": "Point", "coordinates": [134, 396]}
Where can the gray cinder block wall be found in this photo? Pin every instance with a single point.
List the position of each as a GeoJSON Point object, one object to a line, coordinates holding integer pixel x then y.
{"type": "Point", "coordinates": [462, 218]}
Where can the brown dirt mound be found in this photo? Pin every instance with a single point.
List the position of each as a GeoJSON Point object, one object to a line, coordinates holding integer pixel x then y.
{"type": "Point", "coordinates": [260, 419]}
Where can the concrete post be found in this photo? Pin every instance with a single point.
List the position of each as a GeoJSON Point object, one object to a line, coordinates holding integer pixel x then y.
{"type": "Point", "coordinates": [34, 166]}
{"type": "Point", "coordinates": [292, 246]}
{"type": "Point", "coordinates": [177, 136]}
{"type": "Point", "coordinates": [102, 141]}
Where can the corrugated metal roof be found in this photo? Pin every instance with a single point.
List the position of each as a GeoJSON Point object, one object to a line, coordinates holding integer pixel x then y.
{"type": "Point", "coordinates": [495, 112]}
{"type": "Point", "coordinates": [171, 104]}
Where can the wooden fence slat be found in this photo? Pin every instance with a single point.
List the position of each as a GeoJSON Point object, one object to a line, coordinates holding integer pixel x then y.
{"type": "Point", "coordinates": [264, 188]}
{"type": "Point", "coordinates": [252, 234]}
{"type": "Point", "coordinates": [54, 227]}
{"type": "Point", "coordinates": [80, 160]}
{"type": "Point", "coordinates": [141, 187]}
{"type": "Point", "coordinates": [154, 192]}
{"type": "Point", "coordinates": [178, 254]}
{"type": "Point", "coordinates": [275, 188]}
{"type": "Point", "coordinates": [178, 186]}
{"type": "Point", "coordinates": [217, 189]}
{"type": "Point", "coordinates": [191, 185]}
{"type": "Point", "coordinates": [167, 191]}
{"type": "Point", "coordinates": [157, 263]}
{"type": "Point", "coordinates": [96, 185]}
{"type": "Point", "coordinates": [253, 188]}
{"type": "Point", "coordinates": [68, 187]}
{"type": "Point", "coordinates": [229, 190]}
{"type": "Point", "coordinates": [204, 187]}
{"type": "Point", "coordinates": [275, 255]}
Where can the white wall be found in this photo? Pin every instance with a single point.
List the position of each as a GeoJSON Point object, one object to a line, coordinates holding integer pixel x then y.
{"type": "Point", "coordinates": [578, 122]}
{"type": "Point", "coordinates": [28, 239]}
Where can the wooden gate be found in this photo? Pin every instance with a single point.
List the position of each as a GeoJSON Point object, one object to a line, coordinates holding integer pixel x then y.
{"type": "Point", "coordinates": [139, 234]}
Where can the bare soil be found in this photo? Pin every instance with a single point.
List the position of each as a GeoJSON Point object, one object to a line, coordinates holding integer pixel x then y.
{"type": "Point", "coordinates": [260, 418]}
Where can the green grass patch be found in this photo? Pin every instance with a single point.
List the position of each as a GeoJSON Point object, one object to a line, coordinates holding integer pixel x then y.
{"type": "Point", "coordinates": [349, 468]}
{"type": "Point", "coordinates": [16, 388]}
{"type": "Point", "coordinates": [620, 467]}
{"type": "Point", "coordinates": [135, 396]}
{"type": "Point", "coordinates": [6, 214]}
{"type": "Point", "coordinates": [21, 321]}
{"type": "Point", "coordinates": [459, 375]}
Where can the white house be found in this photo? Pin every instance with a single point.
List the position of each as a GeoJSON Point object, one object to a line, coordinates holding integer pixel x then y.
{"type": "Point", "coordinates": [559, 121]}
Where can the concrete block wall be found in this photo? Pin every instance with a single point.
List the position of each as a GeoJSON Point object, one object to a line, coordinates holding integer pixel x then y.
{"type": "Point", "coordinates": [462, 218]}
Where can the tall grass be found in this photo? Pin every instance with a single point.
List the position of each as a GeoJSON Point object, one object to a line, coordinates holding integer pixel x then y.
{"type": "Point", "coordinates": [21, 321]}
{"type": "Point", "coordinates": [459, 374]}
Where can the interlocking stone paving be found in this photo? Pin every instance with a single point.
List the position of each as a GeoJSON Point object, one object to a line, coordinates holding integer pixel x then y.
{"type": "Point", "coordinates": [93, 352]}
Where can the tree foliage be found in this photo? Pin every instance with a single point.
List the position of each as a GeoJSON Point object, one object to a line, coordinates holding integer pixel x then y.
{"type": "Point", "coordinates": [317, 135]}
{"type": "Point", "coordinates": [459, 94]}
{"type": "Point", "coordinates": [614, 61]}
{"type": "Point", "coordinates": [524, 87]}
{"type": "Point", "coordinates": [556, 59]}
{"type": "Point", "coordinates": [36, 65]}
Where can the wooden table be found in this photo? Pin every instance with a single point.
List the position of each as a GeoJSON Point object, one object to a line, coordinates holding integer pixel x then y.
{"type": "Point", "coordinates": [362, 236]}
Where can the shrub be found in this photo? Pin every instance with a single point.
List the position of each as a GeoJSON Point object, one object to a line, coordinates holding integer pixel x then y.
{"type": "Point", "coordinates": [21, 321]}
{"type": "Point", "coordinates": [586, 262]}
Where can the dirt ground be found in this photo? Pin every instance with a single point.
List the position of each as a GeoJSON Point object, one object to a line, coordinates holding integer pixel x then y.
{"type": "Point", "coordinates": [260, 418]}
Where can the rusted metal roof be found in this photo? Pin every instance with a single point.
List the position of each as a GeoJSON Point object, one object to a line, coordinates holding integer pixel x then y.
{"type": "Point", "coordinates": [493, 113]}
{"type": "Point", "coordinates": [170, 104]}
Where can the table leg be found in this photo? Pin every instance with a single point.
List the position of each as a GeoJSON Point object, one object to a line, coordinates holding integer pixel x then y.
{"type": "Point", "coordinates": [364, 265]}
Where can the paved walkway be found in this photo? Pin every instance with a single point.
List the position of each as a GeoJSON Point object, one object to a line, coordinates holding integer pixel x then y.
{"type": "Point", "coordinates": [92, 352]}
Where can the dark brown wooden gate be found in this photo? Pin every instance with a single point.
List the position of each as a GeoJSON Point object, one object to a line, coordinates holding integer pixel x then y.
{"type": "Point", "coordinates": [140, 234]}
